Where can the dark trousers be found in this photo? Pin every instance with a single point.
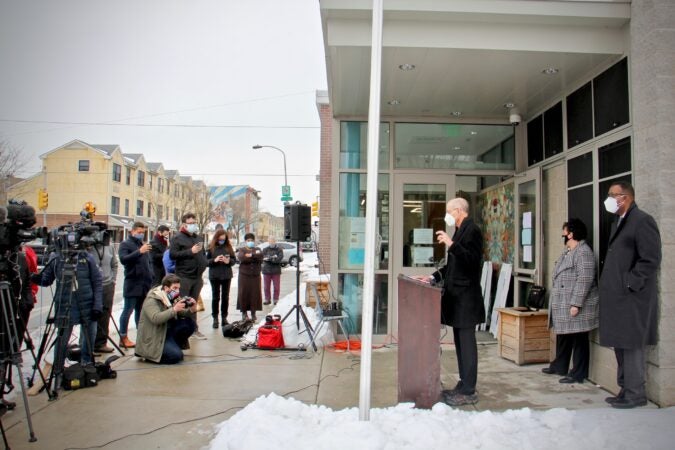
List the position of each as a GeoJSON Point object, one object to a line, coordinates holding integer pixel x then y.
{"type": "Point", "coordinates": [177, 334]}
{"type": "Point", "coordinates": [467, 358]}
{"type": "Point", "coordinates": [220, 297]}
{"type": "Point", "coordinates": [191, 287]}
{"type": "Point", "coordinates": [630, 372]}
{"type": "Point", "coordinates": [104, 320]}
{"type": "Point", "coordinates": [575, 346]}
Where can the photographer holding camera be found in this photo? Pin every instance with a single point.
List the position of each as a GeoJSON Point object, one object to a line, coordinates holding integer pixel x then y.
{"type": "Point", "coordinates": [166, 323]}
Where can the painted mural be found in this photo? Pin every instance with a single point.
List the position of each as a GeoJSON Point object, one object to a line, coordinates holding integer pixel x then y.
{"type": "Point", "coordinates": [496, 209]}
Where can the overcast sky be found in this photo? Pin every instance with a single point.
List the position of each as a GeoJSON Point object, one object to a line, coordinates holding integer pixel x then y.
{"type": "Point", "coordinates": [251, 65]}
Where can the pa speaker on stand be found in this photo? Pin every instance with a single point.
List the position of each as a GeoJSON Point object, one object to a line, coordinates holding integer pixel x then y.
{"type": "Point", "coordinates": [297, 222]}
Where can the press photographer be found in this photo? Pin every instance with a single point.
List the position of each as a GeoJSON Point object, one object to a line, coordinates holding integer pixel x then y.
{"type": "Point", "coordinates": [166, 323]}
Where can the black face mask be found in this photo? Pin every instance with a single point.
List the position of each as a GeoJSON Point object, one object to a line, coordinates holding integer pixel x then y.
{"type": "Point", "coordinates": [565, 238]}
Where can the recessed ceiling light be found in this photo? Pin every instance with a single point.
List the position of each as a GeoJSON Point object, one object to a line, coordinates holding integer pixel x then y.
{"type": "Point", "coordinates": [394, 102]}
{"type": "Point", "coordinates": [407, 66]}
{"type": "Point", "coordinates": [509, 105]}
{"type": "Point", "coordinates": [457, 113]}
{"type": "Point", "coordinates": [456, 148]}
{"type": "Point", "coordinates": [474, 132]}
{"type": "Point", "coordinates": [549, 71]}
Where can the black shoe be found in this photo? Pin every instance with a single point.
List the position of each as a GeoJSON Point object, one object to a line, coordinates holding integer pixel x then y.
{"type": "Point", "coordinates": [460, 399]}
{"type": "Point", "coordinates": [224, 322]}
{"type": "Point", "coordinates": [569, 380]}
{"type": "Point", "coordinates": [266, 302]}
{"type": "Point", "coordinates": [627, 403]}
{"type": "Point", "coordinates": [550, 371]}
{"type": "Point", "coordinates": [612, 399]}
{"type": "Point", "coordinates": [215, 323]}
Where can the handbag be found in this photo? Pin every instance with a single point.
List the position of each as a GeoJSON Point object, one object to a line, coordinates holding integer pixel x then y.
{"type": "Point", "coordinates": [270, 335]}
{"type": "Point", "coordinates": [237, 328]}
{"type": "Point", "coordinates": [536, 299]}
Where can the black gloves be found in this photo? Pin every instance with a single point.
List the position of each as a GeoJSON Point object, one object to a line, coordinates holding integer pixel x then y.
{"type": "Point", "coordinates": [95, 314]}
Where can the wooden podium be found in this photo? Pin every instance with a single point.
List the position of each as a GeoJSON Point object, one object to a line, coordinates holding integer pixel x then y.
{"type": "Point", "coordinates": [419, 330]}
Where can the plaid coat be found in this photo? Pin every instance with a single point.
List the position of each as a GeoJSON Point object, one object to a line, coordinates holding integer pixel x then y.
{"type": "Point", "coordinates": [574, 285]}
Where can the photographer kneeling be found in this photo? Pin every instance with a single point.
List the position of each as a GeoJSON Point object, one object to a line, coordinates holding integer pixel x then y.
{"type": "Point", "coordinates": [165, 323]}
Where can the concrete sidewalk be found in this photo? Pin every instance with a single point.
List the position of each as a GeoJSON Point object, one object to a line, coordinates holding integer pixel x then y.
{"type": "Point", "coordinates": [151, 406]}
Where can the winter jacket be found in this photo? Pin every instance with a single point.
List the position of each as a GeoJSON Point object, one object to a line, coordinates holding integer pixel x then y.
{"type": "Point", "coordinates": [169, 264]}
{"type": "Point", "coordinates": [220, 270]}
{"type": "Point", "coordinates": [628, 290]}
{"type": "Point", "coordinates": [574, 285]}
{"type": "Point", "coordinates": [188, 264]}
{"type": "Point", "coordinates": [152, 326]}
{"type": "Point", "coordinates": [272, 257]}
{"type": "Point", "coordinates": [137, 269]}
{"type": "Point", "coordinates": [159, 246]}
{"type": "Point", "coordinates": [249, 261]}
{"type": "Point", "coordinates": [107, 261]}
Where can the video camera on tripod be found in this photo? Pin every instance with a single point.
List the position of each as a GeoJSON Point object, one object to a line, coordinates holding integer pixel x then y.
{"type": "Point", "coordinates": [74, 237]}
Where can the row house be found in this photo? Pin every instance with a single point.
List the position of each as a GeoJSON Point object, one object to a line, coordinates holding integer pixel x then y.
{"type": "Point", "coordinates": [124, 187]}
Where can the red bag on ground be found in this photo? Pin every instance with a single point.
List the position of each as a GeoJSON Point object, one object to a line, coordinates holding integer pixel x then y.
{"type": "Point", "coordinates": [270, 335]}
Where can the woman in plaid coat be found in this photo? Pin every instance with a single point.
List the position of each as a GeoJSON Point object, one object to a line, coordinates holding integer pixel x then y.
{"type": "Point", "coordinates": [573, 304]}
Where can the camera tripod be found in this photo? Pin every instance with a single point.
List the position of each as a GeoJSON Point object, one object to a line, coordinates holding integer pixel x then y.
{"type": "Point", "coordinates": [10, 353]}
{"type": "Point", "coordinates": [297, 308]}
{"type": "Point", "coordinates": [61, 307]}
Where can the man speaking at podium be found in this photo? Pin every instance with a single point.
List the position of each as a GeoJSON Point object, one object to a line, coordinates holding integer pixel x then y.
{"type": "Point", "coordinates": [462, 301]}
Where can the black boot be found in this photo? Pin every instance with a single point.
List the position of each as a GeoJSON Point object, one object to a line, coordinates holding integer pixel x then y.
{"type": "Point", "coordinates": [215, 322]}
{"type": "Point", "coordinates": [223, 320]}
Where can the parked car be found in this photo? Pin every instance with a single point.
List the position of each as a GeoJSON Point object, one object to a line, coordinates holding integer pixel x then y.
{"type": "Point", "coordinates": [290, 252]}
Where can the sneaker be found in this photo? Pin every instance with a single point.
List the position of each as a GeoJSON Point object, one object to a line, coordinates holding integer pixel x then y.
{"type": "Point", "coordinates": [460, 399]}
{"type": "Point", "coordinates": [198, 335]}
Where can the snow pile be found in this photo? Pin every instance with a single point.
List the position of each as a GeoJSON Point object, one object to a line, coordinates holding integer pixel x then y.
{"type": "Point", "coordinates": [275, 422]}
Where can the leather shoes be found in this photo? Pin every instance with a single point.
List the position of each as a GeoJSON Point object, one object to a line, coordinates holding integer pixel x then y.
{"type": "Point", "coordinates": [550, 371]}
{"type": "Point", "coordinates": [569, 380]}
{"type": "Point", "coordinates": [126, 342]}
{"type": "Point", "coordinates": [104, 349]}
{"type": "Point", "coordinates": [612, 399]}
{"type": "Point", "coordinates": [628, 403]}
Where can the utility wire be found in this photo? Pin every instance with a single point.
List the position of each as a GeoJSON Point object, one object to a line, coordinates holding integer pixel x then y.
{"type": "Point", "coordinates": [160, 125]}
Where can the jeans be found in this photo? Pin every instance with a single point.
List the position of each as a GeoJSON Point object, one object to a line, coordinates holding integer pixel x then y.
{"type": "Point", "coordinates": [130, 304]}
{"type": "Point", "coordinates": [275, 279]}
{"type": "Point", "coordinates": [220, 297]}
{"type": "Point", "coordinates": [177, 333]}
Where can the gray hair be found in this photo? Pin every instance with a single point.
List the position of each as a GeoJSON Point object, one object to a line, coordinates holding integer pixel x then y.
{"type": "Point", "coordinates": [460, 204]}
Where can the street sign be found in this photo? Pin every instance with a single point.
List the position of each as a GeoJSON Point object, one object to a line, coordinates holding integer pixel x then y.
{"type": "Point", "coordinates": [286, 193]}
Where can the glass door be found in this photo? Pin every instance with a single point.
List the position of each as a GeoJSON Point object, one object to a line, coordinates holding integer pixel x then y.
{"type": "Point", "coordinates": [419, 211]}
{"type": "Point", "coordinates": [526, 269]}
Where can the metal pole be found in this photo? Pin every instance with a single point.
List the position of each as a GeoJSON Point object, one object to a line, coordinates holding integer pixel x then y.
{"type": "Point", "coordinates": [371, 212]}
{"type": "Point", "coordinates": [44, 184]}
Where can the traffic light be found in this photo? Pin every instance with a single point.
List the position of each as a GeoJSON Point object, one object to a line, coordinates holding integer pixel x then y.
{"type": "Point", "coordinates": [315, 209]}
{"type": "Point", "coordinates": [43, 199]}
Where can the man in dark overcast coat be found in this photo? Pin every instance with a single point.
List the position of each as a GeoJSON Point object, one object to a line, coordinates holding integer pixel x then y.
{"type": "Point", "coordinates": [629, 293]}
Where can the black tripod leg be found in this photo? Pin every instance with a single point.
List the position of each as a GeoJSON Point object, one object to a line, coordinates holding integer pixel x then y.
{"type": "Point", "coordinates": [111, 340]}
{"type": "Point", "coordinates": [310, 330]}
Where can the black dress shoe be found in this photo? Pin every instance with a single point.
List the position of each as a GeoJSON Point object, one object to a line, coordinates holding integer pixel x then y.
{"type": "Point", "coordinates": [550, 371]}
{"type": "Point", "coordinates": [628, 403]}
{"type": "Point", "coordinates": [612, 399]}
{"type": "Point", "coordinates": [569, 380]}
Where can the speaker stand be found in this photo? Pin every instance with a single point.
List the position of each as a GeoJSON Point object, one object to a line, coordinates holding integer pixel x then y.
{"type": "Point", "coordinates": [298, 309]}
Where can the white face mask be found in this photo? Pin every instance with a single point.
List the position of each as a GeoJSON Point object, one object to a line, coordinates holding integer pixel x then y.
{"type": "Point", "coordinates": [449, 220]}
{"type": "Point", "coordinates": [192, 228]}
{"type": "Point", "coordinates": [611, 205]}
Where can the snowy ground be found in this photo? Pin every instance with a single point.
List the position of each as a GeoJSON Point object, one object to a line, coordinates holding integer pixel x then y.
{"type": "Point", "coordinates": [275, 422]}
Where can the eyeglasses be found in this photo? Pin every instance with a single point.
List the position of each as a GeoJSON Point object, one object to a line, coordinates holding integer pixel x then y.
{"type": "Point", "coordinates": [616, 195]}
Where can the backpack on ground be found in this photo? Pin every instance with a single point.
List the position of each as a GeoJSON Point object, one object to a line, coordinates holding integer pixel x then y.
{"type": "Point", "coordinates": [237, 328]}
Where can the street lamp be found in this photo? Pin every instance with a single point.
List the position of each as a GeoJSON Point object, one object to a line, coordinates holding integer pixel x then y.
{"type": "Point", "coordinates": [286, 189]}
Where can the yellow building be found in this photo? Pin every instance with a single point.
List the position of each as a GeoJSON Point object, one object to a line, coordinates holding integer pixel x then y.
{"type": "Point", "coordinates": [124, 187]}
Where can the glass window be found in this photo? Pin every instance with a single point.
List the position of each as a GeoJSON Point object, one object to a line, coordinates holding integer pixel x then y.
{"type": "Point", "coordinates": [580, 170]}
{"type": "Point", "coordinates": [149, 209]}
{"type": "Point", "coordinates": [128, 176]}
{"type": "Point", "coordinates": [453, 146]}
{"type": "Point", "coordinates": [83, 165]}
{"type": "Point", "coordinates": [610, 98]}
{"type": "Point", "coordinates": [423, 214]}
{"type": "Point", "coordinates": [350, 294]}
{"type": "Point", "coordinates": [117, 172]}
{"type": "Point", "coordinates": [535, 141]}
{"type": "Point", "coordinates": [553, 131]}
{"type": "Point", "coordinates": [141, 178]}
{"type": "Point", "coordinates": [580, 115]}
{"type": "Point", "coordinates": [352, 228]}
{"type": "Point", "coordinates": [528, 208]}
{"type": "Point", "coordinates": [126, 206]}
{"type": "Point", "coordinates": [115, 205]}
{"type": "Point", "coordinates": [580, 206]}
{"type": "Point", "coordinates": [139, 207]}
{"type": "Point", "coordinates": [614, 158]}
{"type": "Point", "coordinates": [354, 145]}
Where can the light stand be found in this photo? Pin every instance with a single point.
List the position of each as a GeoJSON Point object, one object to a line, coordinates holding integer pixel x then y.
{"type": "Point", "coordinates": [298, 309]}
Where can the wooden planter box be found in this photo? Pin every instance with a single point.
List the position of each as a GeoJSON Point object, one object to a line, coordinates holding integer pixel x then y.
{"type": "Point", "coordinates": [524, 336]}
{"type": "Point", "coordinates": [315, 288]}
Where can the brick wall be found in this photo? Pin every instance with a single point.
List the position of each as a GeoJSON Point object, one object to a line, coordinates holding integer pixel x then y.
{"type": "Point", "coordinates": [325, 186]}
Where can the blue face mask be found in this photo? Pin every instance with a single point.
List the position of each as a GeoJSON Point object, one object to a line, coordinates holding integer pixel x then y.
{"type": "Point", "coordinates": [250, 244]}
{"type": "Point", "coordinates": [221, 241]}
{"type": "Point", "coordinates": [139, 236]}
